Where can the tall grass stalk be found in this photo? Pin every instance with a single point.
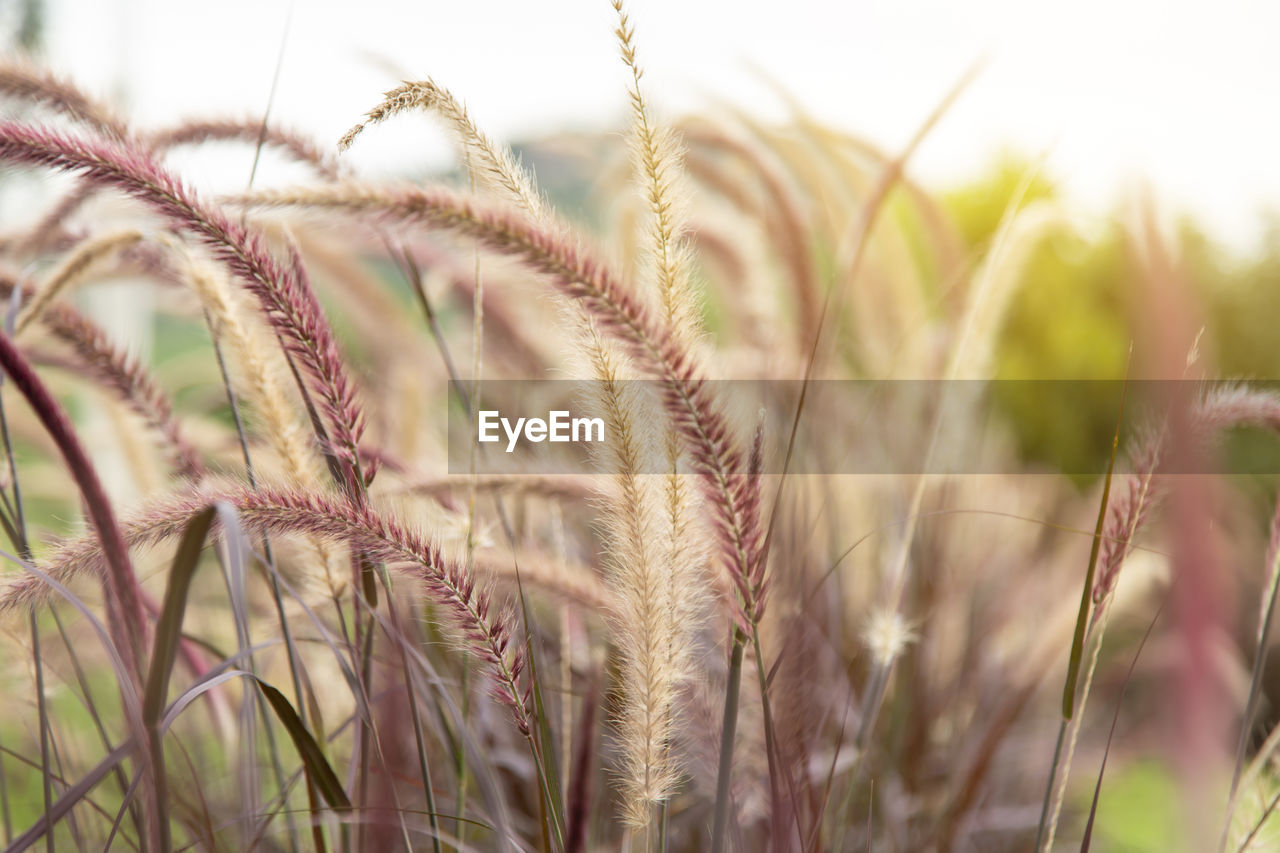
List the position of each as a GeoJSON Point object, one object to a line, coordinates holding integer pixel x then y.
{"type": "Point", "coordinates": [18, 527]}
{"type": "Point", "coordinates": [729, 728]}
{"type": "Point", "coordinates": [662, 586]}
{"type": "Point", "coordinates": [123, 604]}
{"type": "Point", "coordinates": [37, 659]}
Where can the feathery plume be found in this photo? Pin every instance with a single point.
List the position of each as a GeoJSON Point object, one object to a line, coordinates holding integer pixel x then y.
{"type": "Point", "coordinates": [280, 427]}
{"type": "Point", "coordinates": [122, 374]}
{"type": "Point", "coordinates": [1220, 408]}
{"type": "Point", "coordinates": [887, 636]}
{"type": "Point", "coordinates": [486, 634]}
{"type": "Point", "coordinates": [75, 268]}
{"type": "Point", "coordinates": [26, 82]}
{"type": "Point", "coordinates": [659, 583]}
{"type": "Point", "coordinates": [1226, 406]}
{"type": "Point", "coordinates": [249, 131]}
{"type": "Point", "coordinates": [653, 642]}
{"type": "Point", "coordinates": [714, 456]}
{"type": "Point", "coordinates": [498, 168]}
{"type": "Point", "coordinates": [656, 155]}
{"type": "Point", "coordinates": [1128, 514]}
{"type": "Point", "coordinates": [283, 291]}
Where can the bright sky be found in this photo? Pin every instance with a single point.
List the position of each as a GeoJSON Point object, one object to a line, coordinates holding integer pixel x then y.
{"type": "Point", "coordinates": [1182, 95]}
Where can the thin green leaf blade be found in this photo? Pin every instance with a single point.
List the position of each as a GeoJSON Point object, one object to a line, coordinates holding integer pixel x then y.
{"type": "Point", "coordinates": [164, 650]}
{"type": "Point", "coordinates": [314, 762]}
{"type": "Point", "coordinates": [1082, 618]}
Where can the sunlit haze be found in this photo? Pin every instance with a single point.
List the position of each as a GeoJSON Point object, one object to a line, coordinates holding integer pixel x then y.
{"type": "Point", "coordinates": [1115, 95]}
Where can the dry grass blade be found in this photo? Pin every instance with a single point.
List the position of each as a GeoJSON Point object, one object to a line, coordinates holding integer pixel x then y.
{"type": "Point", "coordinates": [656, 155]}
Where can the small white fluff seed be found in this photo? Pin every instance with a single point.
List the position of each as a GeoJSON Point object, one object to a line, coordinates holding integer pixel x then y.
{"type": "Point", "coordinates": [887, 636]}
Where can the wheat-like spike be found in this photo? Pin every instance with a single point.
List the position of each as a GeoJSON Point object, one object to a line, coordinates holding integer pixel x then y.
{"type": "Point", "coordinates": [24, 81]}
{"type": "Point", "coordinates": [187, 133]}
{"type": "Point", "coordinates": [1220, 408]}
{"type": "Point", "coordinates": [487, 635]}
{"type": "Point", "coordinates": [563, 487]}
{"type": "Point", "coordinates": [74, 269]}
{"type": "Point", "coordinates": [1126, 515]}
{"type": "Point", "coordinates": [783, 213]}
{"type": "Point", "coordinates": [121, 373]}
{"type": "Point", "coordinates": [499, 169]}
{"type": "Point", "coordinates": [573, 583]}
{"type": "Point", "coordinates": [733, 497]}
{"type": "Point", "coordinates": [657, 159]}
{"type": "Point", "coordinates": [283, 290]}
{"type": "Point", "coordinates": [675, 591]}
{"type": "Point", "coordinates": [248, 131]}
{"type": "Point", "coordinates": [280, 427]}
{"type": "Point", "coordinates": [642, 623]}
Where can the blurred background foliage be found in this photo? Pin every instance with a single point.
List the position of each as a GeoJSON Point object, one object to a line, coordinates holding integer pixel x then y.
{"type": "Point", "coordinates": [1078, 296]}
